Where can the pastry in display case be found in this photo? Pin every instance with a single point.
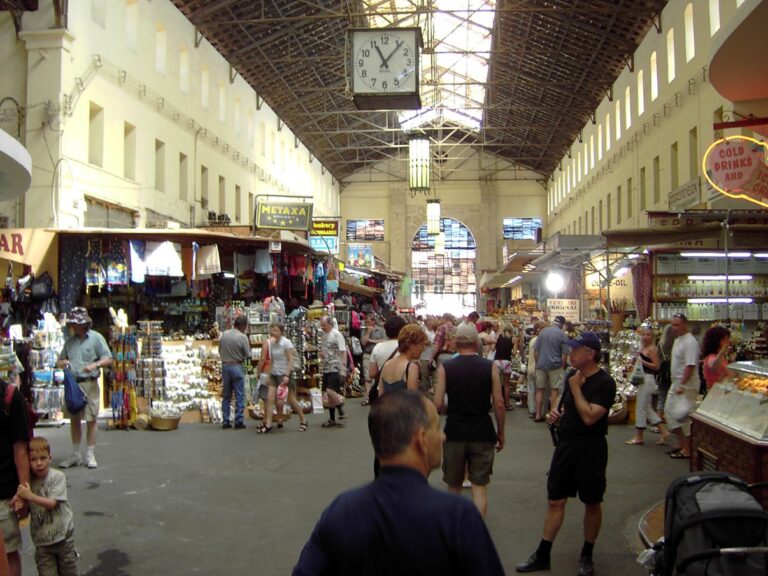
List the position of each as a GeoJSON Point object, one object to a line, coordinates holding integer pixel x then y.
{"type": "Point", "coordinates": [741, 402]}
{"type": "Point", "coordinates": [729, 430]}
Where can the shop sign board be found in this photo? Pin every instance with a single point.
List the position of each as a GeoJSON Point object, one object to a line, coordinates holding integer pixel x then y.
{"type": "Point", "coordinates": [327, 244]}
{"type": "Point", "coordinates": [324, 228]}
{"type": "Point", "coordinates": [360, 255]}
{"type": "Point", "coordinates": [736, 166]}
{"type": "Point", "coordinates": [25, 245]}
{"type": "Point", "coordinates": [686, 196]}
{"type": "Point", "coordinates": [569, 308]}
{"type": "Point", "coordinates": [365, 230]}
{"type": "Point", "coordinates": [620, 287]}
{"type": "Point", "coordinates": [284, 215]}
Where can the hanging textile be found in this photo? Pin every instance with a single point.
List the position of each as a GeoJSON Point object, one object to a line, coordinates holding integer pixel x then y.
{"type": "Point", "coordinates": [188, 262]}
{"type": "Point", "coordinates": [244, 263]}
{"type": "Point", "coordinates": [138, 268]}
{"type": "Point", "coordinates": [71, 270]}
{"type": "Point", "coordinates": [94, 271]}
{"type": "Point", "coordinates": [642, 288]}
{"type": "Point", "coordinates": [115, 263]}
{"type": "Point", "coordinates": [207, 261]}
{"type": "Point", "coordinates": [163, 259]}
{"type": "Point", "coordinates": [263, 263]}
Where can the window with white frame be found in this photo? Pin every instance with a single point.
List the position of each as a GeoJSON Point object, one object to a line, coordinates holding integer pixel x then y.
{"type": "Point", "coordinates": [671, 55]}
{"type": "Point", "coordinates": [607, 131]}
{"type": "Point", "coordinates": [627, 108]}
{"type": "Point", "coordinates": [591, 151]}
{"type": "Point", "coordinates": [714, 16]}
{"type": "Point", "coordinates": [690, 42]}
{"type": "Point", "coordinates": [184, 69]}
{"type": "Point", "coordinates": [654, 77]}
{"type": "Point", "coordinates": [618, 120]}
{"type": "Point", "coordinates": [205, 87]}
{"type": "Point", "coordinates": [640, 93]}
{"type": "Point", "coordinates": [161, 48]}
{"type": "Point", "coordinates": [132, 24]}
{"type": "Point", "coordinates": [222, 102]}
{"type": "Point", "coordinates": [599, 141]}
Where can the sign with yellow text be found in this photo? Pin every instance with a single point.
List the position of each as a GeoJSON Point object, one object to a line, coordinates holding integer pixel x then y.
{"type": "Point", "coordinates": [283, 215]}
{"type": "Point", "coordinates": [324, 228]}
{"type": "Point", "coordinates": [736, 166]}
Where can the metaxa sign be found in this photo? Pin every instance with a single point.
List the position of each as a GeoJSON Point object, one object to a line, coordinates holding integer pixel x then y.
{"type": "Point", "coordinates": [736, 166]}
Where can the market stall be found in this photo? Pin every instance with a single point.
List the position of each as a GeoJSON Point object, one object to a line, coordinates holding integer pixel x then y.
{"type": "Point", "coordinates": [730, 428]}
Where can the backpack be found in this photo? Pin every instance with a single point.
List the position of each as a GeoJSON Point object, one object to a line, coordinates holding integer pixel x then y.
{"type": "Point", "coordinates": [706, 513]}
{"type": "Point", "coordinates": [30, 414]}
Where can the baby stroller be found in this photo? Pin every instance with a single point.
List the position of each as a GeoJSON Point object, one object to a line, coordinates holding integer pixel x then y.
{"type": "Point", "coordinates": [713, 526]}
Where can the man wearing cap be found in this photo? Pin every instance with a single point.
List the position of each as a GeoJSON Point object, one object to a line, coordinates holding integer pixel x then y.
{"type": "Point", "coordinates": [550, 352]}
{"type": "Point", "coordinates": [470, 382]}
{"type": "Point", "coordinates": [85, 353]}
{"type": "Point", "coordinates": [580, 424]}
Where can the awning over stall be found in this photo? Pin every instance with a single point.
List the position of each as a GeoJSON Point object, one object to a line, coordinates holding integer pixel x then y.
{"type": "Point", "coordinates": [33, 247]}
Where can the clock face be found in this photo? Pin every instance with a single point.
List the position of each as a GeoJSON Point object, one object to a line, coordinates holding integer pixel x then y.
{"type": "Point", "coordinates": [385, 61]}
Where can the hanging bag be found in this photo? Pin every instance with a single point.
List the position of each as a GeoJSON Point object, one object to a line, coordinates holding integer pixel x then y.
{"type": "Point", "coordinates": [373, 395]}
{"type": "Point", "coordinates": [42, 287]}
{"type": "Point", "coordinates": [74, 397]}
{"type": "Point", "coordinates": [638, 374]}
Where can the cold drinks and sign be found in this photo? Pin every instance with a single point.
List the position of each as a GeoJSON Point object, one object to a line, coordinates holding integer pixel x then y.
{"type": "Point", "coordinates": [325, 228]}
{"type": "Point", "coordinates": [284, 215]}
{"type": "Point", "coordinates": [736, 166]}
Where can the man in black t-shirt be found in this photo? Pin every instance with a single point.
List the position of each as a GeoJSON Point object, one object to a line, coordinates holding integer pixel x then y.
{"type": "Point", "coordinates": [581, 455]}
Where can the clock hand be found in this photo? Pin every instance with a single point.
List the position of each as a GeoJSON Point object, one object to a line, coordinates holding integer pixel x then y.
{"type": "Point", "coordinates": [397, 47]}
{"type": "Point", "coordinates": [383, 60]}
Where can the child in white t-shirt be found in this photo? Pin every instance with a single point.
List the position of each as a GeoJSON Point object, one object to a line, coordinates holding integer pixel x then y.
{"type": "Point", "coordinates": [51, 523]}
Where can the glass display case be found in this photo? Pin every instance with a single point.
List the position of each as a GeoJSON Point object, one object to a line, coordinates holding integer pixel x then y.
{"type": "Point", "coordinates": [741, 402]}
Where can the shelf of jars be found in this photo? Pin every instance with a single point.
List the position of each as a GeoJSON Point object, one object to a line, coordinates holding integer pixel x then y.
{"type": "Point", "coordinates": [702, 297]}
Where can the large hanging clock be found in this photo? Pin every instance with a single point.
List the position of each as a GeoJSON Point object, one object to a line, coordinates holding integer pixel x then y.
{"type": "Point", "coordinates": [384, 68]}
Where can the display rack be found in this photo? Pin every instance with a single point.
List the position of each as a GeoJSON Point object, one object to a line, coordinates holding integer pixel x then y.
{"type": "Point", "coordinates": [47, 389]}
{"type": "Point", "coordinates": [150, 369]}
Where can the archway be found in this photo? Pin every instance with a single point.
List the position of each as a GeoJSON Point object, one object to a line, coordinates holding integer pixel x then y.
{"type": "Point", "coordinates": [444, 283]}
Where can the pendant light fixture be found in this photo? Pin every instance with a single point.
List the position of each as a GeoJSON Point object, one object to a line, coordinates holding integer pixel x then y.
{"type": "Point", "coordinates": [433, 216]}
{"type": "Point", "coordinates": [418, 164]}
{"type": "Point", "coordinates": [440, 244]}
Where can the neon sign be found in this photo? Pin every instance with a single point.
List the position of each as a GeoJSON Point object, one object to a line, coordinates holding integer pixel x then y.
{"type": "Point", "coordinates": [736, 166]}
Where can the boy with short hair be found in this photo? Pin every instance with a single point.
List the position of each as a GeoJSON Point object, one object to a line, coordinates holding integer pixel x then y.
{"type": "Point", "coordinates": [50, 513]}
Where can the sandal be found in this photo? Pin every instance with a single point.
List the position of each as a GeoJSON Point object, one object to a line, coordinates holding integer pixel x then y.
{"type": "Point", "coordinates": [365, 402]}
{"type": "Point", "coordinates": [279, 424]}
{"type": "Point", "coordinates": [329, 424]}
{"type": "Point", "coordinates": [671, 451]}
{"type": "Point", "coordinates": [303, 427]}
{"type": "Point", "coordinates": [264, 430]}
{"type": "Point", "coordinates": [633, 442]}
{"type": "Point", "coordinates": [509, 407]}
{"type": "Point", "coordinates": [679, 456]}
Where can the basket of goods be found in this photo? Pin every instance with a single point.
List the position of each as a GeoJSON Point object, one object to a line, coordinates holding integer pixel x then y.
{"type": "Point", "coordinates": [165, 418]}
{"type": "Point", "coordinates": [618, 412]}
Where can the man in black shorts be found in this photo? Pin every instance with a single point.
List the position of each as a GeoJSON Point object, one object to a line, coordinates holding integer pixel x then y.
{"type": "Point", "coordinates": [581, 455]}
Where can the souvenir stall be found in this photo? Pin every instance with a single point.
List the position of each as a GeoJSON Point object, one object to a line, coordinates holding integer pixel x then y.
{"type": "Point", "coordinates": [177, 290]}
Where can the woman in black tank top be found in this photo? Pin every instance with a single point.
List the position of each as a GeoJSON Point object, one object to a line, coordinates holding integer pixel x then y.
{"type": "Point", "coordinates": [403, 371]}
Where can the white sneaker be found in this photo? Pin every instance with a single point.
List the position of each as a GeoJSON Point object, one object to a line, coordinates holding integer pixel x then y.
{"type": "Point", "coordinates": [466, 484]}
{"type": "Point", "coordinates": [90, 460]}
{"type": "Point", "coordinates": [73, 460]}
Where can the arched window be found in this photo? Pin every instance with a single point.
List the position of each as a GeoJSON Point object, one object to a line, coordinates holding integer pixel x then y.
{"type": "Point", "coordinates": [447, 282]}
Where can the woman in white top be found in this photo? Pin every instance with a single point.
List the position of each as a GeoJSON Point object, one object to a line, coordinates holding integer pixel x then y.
{"type": "Point", "coordinates": [281, 355]}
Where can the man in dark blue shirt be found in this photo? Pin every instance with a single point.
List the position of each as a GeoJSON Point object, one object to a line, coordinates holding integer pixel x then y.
{"type": "Point", "coordinates": [399, 524]}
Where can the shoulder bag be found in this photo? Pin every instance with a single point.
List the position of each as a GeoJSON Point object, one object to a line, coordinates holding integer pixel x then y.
{"type": "Point", "coordinates": [373, 395]}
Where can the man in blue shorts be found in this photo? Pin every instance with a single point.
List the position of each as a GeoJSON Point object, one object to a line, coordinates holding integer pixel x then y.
{"type": "Point", "coordinates": [580, 423]}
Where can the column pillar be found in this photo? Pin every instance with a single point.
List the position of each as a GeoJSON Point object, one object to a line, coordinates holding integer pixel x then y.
{"type": "Point", "coordinates": [48, 69]}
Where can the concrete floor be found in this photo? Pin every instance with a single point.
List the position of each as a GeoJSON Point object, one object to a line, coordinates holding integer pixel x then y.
{"type": "Point", "coordinates": [202, 500]}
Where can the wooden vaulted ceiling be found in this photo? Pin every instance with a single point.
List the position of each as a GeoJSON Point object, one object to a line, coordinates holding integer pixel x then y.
{"type": "Point", "coordinates": [551, 63]}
